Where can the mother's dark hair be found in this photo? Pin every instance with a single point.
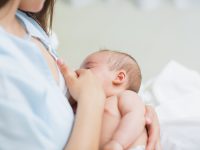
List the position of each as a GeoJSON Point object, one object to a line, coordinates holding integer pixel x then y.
{"type": "Point", "coordinates": [44, 17]}
{"type": "Point", "coordinates": [3, 2]}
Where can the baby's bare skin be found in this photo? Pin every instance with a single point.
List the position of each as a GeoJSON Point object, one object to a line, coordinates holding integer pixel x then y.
{"type": "Point", "coordinates": [123, 119]}
{"type": "Point", "coordinates": [111, 119]}
{"type": "Point", "coordinates": [115, 121]}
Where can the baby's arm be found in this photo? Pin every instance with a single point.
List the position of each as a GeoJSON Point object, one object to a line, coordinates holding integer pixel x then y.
{"type": "Point", "coordinates": [132, 123]}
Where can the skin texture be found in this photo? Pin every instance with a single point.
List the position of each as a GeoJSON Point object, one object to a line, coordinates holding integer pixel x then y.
{"type": "Point", "coordinates": [31, 5]}
{"type": "Point", "coordinates": [86, 131]}
{"type": "Point", "coordinates": [110, 79]}
{"type": "Point", "coordinates": [153, 128]}
{"type": "Point", "coordinates": [85, 113]}
{"type": "Point", "coordinates": [123, 119]}
{"type": "Point", "coordinates": [130, 131]}
{"type": "Point", "coordinates": [97, 63]}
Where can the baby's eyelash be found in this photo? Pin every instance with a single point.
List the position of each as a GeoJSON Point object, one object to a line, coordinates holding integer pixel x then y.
{"type": "Point", "coordinates": [89, 67]}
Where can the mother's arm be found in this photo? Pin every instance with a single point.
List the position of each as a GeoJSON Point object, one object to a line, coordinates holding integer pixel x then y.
{"type": "Point", "coordinates": [84, 87]}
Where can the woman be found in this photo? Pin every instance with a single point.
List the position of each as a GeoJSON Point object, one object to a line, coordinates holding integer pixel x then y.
{"type": "Point", "coordinates": [33, 109]}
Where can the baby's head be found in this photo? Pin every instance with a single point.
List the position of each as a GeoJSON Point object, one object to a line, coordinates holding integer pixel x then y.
{"type": "Point", "coordinates": [116, 70]}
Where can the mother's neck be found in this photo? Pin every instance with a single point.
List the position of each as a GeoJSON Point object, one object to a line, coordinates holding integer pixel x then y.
{"type": "Point", "coordinates": [7, 12]}
{"type": "Point", "coordinates": [8, 18]}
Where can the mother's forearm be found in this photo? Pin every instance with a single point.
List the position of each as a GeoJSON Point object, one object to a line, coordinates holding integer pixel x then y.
{"type": "Point", "coordinates": [87, 127]}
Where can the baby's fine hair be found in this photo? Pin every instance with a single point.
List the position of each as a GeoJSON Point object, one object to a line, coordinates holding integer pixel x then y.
{"type": "Point", "coordinates": [119, 60]}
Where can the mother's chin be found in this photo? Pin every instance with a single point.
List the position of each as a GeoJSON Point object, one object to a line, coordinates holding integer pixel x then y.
{"type": "Point", "coordinates": [32, 6]}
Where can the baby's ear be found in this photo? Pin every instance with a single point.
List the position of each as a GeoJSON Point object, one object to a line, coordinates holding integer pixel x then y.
{"type": "Point", "coordinates": [120, 77]}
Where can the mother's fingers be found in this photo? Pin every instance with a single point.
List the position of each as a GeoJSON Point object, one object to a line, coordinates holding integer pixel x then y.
{"type": "Point", "coordinates": [63, 68]}
{"type": "Point", "coordinates": [149, 115]}
{"type": "Point", "coordinates": [151, 142]}
{"type": "Point", "coordinates": [153, 128]}
{"type": "Point", "coordinates": [69, 75]}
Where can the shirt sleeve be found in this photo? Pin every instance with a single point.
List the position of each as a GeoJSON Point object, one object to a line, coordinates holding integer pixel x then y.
{"type": "Point", "coordinates": [24, 120]}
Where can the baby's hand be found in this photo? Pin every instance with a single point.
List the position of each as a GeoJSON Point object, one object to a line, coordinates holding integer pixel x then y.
{"type": "Point", "coordinates": [113, 145]}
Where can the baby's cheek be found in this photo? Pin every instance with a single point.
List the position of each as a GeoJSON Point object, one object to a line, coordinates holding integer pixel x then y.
{"type": "Point", "coordinates": [97, 73]}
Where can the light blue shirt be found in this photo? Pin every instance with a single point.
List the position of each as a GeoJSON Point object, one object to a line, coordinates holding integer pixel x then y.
{"type": "Point", "coordinates": [34, 113]}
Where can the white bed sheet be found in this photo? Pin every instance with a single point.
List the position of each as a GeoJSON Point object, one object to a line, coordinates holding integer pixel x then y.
{"type": "Point", "coordinates": [175, 93]}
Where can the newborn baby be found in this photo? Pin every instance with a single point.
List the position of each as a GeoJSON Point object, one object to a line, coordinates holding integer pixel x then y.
{"type": "Point", "coordinates": [123, 126]}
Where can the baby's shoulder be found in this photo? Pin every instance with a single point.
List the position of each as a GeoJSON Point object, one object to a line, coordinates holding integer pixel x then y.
{"type": "Point", "coordinates": [129, 101]}
{"type": "Point", "coordinates": [128, 94]}
{"type": "Point", "coordinates": [128, 97]}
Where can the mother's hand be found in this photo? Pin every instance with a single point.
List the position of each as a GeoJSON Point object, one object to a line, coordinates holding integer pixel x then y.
{"type": "Point", "coordinates": [153, 129]}
{"type": "Point", "coordinates": [86, 89]}
{"type": "Point", "coordinates": [82, 83]}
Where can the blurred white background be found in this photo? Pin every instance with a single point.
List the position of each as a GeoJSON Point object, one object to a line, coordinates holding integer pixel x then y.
{"type": "Point", "coordinates": [153, 31]}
